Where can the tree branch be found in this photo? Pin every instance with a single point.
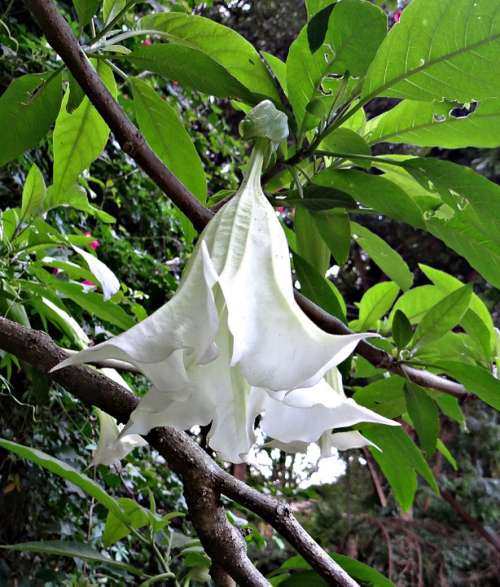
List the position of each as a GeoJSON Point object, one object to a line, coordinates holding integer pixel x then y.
{"type": "Point", "coordinates": [202, 478]}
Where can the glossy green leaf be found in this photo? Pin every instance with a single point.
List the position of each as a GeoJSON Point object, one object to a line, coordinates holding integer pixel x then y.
{"type": "Point", "coordinates": [374, 304]}
{"type": "Point", "coordinates": [375, 192]}
{"type": "Point", "coordinates": [335, 229]}
{"type": "Point", "coordinates": [385, 396]}
{"type": "Point", "coordinates": [355, 30]}
{"type": "Point", "coordinates": [65, 471]}
{"type": "Point", "coordinates": [111, 9]}
{"type": "Point", "coordinates": [191, 68]}
{"type": "Point", "coordinates": [79, 138]}
{"type": "Point", "coordinates": [34, 193]}
{"type": "Point", "coordinates": [416, 302]}
{"type": "Point", "coordinates": [477, 380]}
{"type": "Point", "coordinates": [115, 528]}
{"type": "Point", "coordinates": [449, 405]}
{"type": "Point", "coordinates": [221, 44]}
{"type": "Point", "coordinates": [424, 416]}
{"type": "Point", "coordinates": [443, 449]}
{"type": "Point", "coordinates": [166, 135]}
{"type": "Point", "coordinates": [439, 49]}
{"type": "Point", "coordinates": [310, 245]}
{"type": "Point", "coordinates": [401, 329]}
{"type": "Point", "coordinates": [344, 140]}
{"type": "Point", "coordinates": [442, 317]}
{"type": "Point", "coordinates": [389, 260]}
{"type": "Point", "coordinates": [430, 124]}
{"type": "Point", "coordinates": [400, 461]}
{"type": "Point", "coordinates": [318, 289]}
{"type": "Point", "coordinates": [28, 107]}
{"type": "Point", "coordinates": [86, 9]}
{"type": "Point", "coordinates": [314, 6]}
{"type": "Point", "coordinates": [72, 550]}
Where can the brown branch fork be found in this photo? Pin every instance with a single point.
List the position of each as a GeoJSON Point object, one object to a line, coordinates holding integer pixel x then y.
{"type": "Point", "coordinates": [204, 481]}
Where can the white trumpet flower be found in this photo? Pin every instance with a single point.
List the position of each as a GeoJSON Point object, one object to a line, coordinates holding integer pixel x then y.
{"type": "Point", "coordinates": [232, 343]}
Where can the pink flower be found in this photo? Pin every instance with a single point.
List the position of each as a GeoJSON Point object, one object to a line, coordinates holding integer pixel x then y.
{"type": "Point", "coordinates": [88, 282]}
{"type": "Point", "coordinates": [397, 15]}
{"type": "Point", "coordinates": [147, 42]}
{"type": "Point", "coordinates": [95, 244]}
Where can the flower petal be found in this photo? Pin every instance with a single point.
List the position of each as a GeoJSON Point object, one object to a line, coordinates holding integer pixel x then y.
{"type": "Point", "coordinates": [180, 333]}
{"type": "Point", "coordinates": [305, 414]}
{"type": "Point", "coordinates": [275, 343]}
{"type": "Point", "coordinates": [343, 441]}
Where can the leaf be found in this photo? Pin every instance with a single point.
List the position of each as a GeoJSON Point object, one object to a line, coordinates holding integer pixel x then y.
{"type": "Point", "coordinates": [191, 68]}
{"type": "Point", "coordinates": [477, 380]}
{"type": "Point", "coordinates": [86, 9]}
{"type": "Point", "coordinates": [375, 303]}
{"type": "Point", "coordinates": [443, 449]}
{"type": "Point", "coordinates": [344, 140]}
{"type": "Point", "coordinates": [111, 9]}
{"type": "Point", "coordinates": [278, 68]}
{"type": "Point", "coordinates": [314, 6]}
{"type": "Point", "coordinates": [318, 289]}
{"type": "Point", "coordinates": [446, 283]}
{"type": "Point", "coordinates": [107, 279]}
{"type": "Point", "coordinates": [79, 139]}
{"type": "Point", "coordinates": [390, 261]}
{"type": "Point", "coordinates": [385, 396]}
{"type": "Point", "coordinates": [115, 529]}
{"type": "Point", "coordinates": [361, 572]}
{"type": "Point", "coordinates": [439, 49]}
{"type": "Point", "coordinates": [424, 416]}
{"type": "Point", "coordinates": [310, 245]}
{"type": "Point", "coordinates": [375, 192]}
{"type": "Point", "coordinates": [221, 44]}
{"type": "Point", "coordinates": [401, 329]}
{"type": "Point", "coordinates": [65, 471]}
{"type": "Point", "coordinates": [399, 460]}
{"type": "Point", "coordinates": [416, 302]}
{"type": "Point", "coordinates": [335, 230]}
{"type": "Point", "coordinates": [67, 324]}
{"type": "Point", "coordinates": [72, 550]}
{"type": "Point", "coordinates": [168, 138]}
{"type": "Point", "coordinates": [355, 31]}
{"type": "Point", "coordinates": [34, 193]}
{"type": "Point", "coordinates": [449, 405]}
{"type": "Point", "coordinates": [429, 124]}
{"type": "Point", "coordinates": [442, 317]}
{"type": "Point", "coordinates": [28, 107]}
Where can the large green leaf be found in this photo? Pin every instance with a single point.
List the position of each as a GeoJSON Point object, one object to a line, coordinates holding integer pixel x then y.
{"type": "Point", "coordinates": [191, 68]}
{"type": "Point", "coordinates": [416, 302]}
{"type": "Point", "coordinates": [85, 9]}
{"type": "Point", "coordinates": [442, 317]}
{"type": "Point", "coordinates": [111, 9]}
{"type": "Point", "coordinates": [115, 528]}
{"type": "Point", "coordinates": [34, 193]}
{"type": "Point", "coordinates": [314, 6]}
{"type": "Point", "coordinates": [429, 124]}
{"type": "Point", "coordinates": [335, 229]}
{"type": "Point", "coordinates": [27, 109]}
{"type": "Point", "coordinates": [476, 379]}
{"type": "Point", "coordinates": [351, 34]}
{"type": "Point", "coordinates": [79, 139]}
{"type": "Point", "coordinates": [424, 416]}
{"type": "Point", "coordinates": [223, 45]}
{"type": "Point", "coordinates": [439, 49]}
{"type": "Point", "coordinates": [373, 191]}
{"type": "Point", "coordinates": [60, 468]}
{"type": "Point", "coordinates": [345, 140]}
{"type": "Point", "coordinates": [374, 304]}
{"type": "Point", "coordinates": [72, 550]}
{"type": "Point", "coordinates": [166, 135]}
{"type": "Point", "coordinates": [318, 289]}
{"type": "Point", "coordinates": [389, 260]}
{"type": "Point", "coordinates": [385, 396]}
{"type": "Point", "coordinates": [400, 461]}
{"type": "Point", "coordinates": [467, 219]}
{"type": "Point", "coordinates": [310, 245]}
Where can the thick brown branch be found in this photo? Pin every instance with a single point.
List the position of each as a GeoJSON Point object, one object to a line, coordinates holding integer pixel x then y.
{"type": "Point", "coordinates": [203, 479]}
{"type": "Point", "coordinates": [64, 42]}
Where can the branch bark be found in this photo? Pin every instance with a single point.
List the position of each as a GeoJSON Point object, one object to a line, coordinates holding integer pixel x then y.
{"type": "Point", "coordinates": [204, 481]}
